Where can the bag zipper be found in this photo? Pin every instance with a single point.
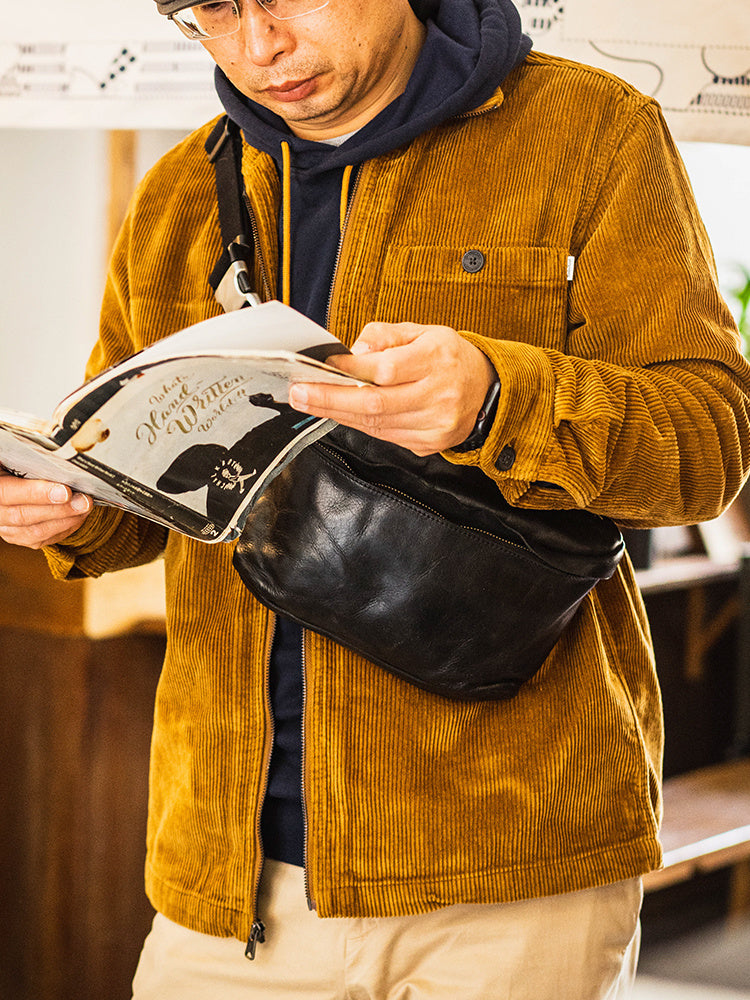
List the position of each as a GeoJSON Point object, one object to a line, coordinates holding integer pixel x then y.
{"type": "Point", "coordinates": [387, 488]}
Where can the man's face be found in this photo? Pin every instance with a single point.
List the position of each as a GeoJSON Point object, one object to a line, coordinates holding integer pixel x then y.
{"type": "Point", "coordinates": [327, 73]}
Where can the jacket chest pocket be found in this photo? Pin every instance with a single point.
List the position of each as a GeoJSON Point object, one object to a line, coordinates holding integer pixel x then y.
{"type": "Point", "coordinates": [508, 293]}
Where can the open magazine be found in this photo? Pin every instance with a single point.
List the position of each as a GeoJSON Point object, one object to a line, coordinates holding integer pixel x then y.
{"type": "Point", "coordinates": [190, 430]}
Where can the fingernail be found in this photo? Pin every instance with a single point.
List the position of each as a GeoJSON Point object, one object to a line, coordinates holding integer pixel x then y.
{"type": "Point", "coordinates": [360, 347]}
{"type": "Point", "coordinates": [79, 503]}
{"type": "Point", "coordinates": [297, 396]}
{"type": "Point", "coordinates": [58, 494]}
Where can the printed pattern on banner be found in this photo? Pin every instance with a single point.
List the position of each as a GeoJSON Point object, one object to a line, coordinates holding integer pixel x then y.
{"type": "Point", "coordinates": [693, 57]}
{"type": "Point", "coordinates": [101, 64]}
{"type": "Point", "coordinates": [104, 63]}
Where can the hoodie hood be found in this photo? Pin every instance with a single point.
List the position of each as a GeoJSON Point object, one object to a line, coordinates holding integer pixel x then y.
{"type": "Point", "coordinates": [475, 43]}
{"type": "Point", "coordinates": [470, 47]}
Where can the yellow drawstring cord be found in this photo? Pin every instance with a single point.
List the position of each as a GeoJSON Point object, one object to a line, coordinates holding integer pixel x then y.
{"type": "Point", "coordinates": [286, 268]}
{"type": "Point", "coordinates": [286, 203]}
{"type": "Point", "coordinates": [346, 180]}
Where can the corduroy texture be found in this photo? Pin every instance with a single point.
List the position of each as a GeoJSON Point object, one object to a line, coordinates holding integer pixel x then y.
{"type": "Point", "coordinates": [623, 391]}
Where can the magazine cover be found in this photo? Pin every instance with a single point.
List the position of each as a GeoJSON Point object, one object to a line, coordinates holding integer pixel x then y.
{"type": "Point", "coordinates": [189, 431]}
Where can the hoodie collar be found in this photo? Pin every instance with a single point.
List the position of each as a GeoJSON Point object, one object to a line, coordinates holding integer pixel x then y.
{"type": "Point", "coordinates": [475, 44]}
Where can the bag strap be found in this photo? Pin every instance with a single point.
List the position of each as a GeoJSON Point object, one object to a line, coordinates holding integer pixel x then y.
{"type": "Point", "coordinates": [230, 277]}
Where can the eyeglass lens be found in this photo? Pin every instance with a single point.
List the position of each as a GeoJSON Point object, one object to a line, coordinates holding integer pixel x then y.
{"type": "Point", "coordinates": [214, 20]}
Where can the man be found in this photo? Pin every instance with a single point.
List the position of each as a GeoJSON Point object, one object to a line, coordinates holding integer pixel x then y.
{"type": "Point", "coordinates": [410, 178]}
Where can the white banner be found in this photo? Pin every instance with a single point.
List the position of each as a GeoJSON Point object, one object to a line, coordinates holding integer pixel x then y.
{"type": "Point", "coordinates": [100, 64]}
{"type": "Point", "coordinates": [693, 56]}
{"type": "Point", "coordinates": [671, 22]}
{"type": "Point", "coordinates": [119, 64]}
{"type": "Point", "coordinates": [84, 20]}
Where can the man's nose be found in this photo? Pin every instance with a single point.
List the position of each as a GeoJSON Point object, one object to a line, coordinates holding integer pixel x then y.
{"type": "Point", "coordinates": [264, 37]}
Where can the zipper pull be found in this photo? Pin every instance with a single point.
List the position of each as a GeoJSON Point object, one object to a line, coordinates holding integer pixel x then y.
{"type": "Point", "coordinates": [257, 936]}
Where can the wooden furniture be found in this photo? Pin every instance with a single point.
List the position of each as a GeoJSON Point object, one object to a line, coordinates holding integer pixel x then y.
{"type": "Point", "coordinates": [702, 652]}
{"type": "Point", "coordinates": [78, 675]}
{"type": "Point", "coordinates": [706, 826]}
{"type": "Point", "coordinates": [700, 636]}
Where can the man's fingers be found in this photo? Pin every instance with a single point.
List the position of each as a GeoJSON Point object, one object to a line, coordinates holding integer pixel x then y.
{"type": "Point", "coordinates": [342, 403]}
{"type": "Point", "coordinates": [35, 512]}
{"type": "Point", "coordinates": [397, 413]}
{"type": "Point", "coordinates": [24, 515]}
{"type": "Point", "coordinates": [389, 366]}
{"type": "Point", "coordinates": [31, 492]}
{"type": "Point", "coordinates": [381, 336]}
{"type": "Point", "coordinates": [36, 536]}
{"type": "Point", "coordinates": [394, 353]}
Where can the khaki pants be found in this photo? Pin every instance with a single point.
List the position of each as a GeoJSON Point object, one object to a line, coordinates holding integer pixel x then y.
{"type": "Point", "coordinates": [579, 946]}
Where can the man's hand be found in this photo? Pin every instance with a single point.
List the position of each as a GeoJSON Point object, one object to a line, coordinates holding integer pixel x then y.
{"type": "Point", "coordinates": [429, 385]}
{"type": "Point", "coordinates": [35, 513]}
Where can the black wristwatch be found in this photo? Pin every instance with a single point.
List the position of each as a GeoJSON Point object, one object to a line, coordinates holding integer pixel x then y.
{"type": "Point", "coordinates": [485, 417]}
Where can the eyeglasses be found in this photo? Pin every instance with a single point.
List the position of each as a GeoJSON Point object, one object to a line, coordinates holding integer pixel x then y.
{"type": "Point", "coordinates": [215, 20]}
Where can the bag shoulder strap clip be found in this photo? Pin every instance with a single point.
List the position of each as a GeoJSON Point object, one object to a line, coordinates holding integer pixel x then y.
{"type": "Point", "coordinates": [230, 277]}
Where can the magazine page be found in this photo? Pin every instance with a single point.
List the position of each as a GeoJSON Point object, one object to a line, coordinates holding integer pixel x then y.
{"type": "Point", "coordinates": [268, 330]}
{"type": "Point", "coordinates": [27, 426]}
{"type": "Point", "coordinates": [195, 445]}
{"type": "Point", "coordinates": [190, 430]}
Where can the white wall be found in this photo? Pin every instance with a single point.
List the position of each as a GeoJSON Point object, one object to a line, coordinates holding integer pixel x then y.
{"type": "Point", "coordinates": [720, 176]}
{"type": "Point", "coordinates": [53, 233]}
{"type": "Point", "coordinates": [53, 202]}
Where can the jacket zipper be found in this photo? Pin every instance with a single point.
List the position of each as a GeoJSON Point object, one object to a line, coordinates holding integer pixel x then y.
{"type": "Point", "coordinates": [257, 928]}
{"type": "Point", "coordinates": [256, 242]}
{"type": "Point", "coordinates": [478, 112]}
{"type": "Point", "coordinates": [257, 931]}
{"type": "Point", "coordinates": [308, 897]}
{"type": "Point", "coordinates": [339, 250]}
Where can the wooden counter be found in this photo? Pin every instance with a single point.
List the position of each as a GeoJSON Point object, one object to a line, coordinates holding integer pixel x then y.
{"type": "Point", "coordinates": [79, 664]}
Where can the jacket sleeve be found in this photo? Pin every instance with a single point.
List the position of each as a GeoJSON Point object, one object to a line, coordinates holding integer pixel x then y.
{"type": "Point", "coordinates": [109, 539]}
{"type": "Point", "coordinates": [644, 416]}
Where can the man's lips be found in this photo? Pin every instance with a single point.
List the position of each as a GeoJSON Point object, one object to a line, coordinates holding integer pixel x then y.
{"type": "Point", "coordinates": [292, 90]}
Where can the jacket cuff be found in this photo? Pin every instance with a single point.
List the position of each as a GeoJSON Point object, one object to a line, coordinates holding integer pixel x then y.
{"type": "Point", "coordinates": [98, 527]}
{"type": "Point", "coordinates": [519, 436]}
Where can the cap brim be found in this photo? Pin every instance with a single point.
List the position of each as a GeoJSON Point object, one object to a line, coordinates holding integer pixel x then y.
{"type": "Point", "coordinates": [172, 6]}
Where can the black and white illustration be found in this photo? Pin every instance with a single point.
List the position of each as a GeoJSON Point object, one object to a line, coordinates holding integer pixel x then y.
{"type": "Point", "coordinates": [694, 58]}
{"type": "Point", "coordinates": [228, 474]}
{"type": "Point", "coordinates": [541, 16]}
{"type": "Point", "coordinates": [100, 63]}
{"type": "Point", "coordinates": [726, 91]}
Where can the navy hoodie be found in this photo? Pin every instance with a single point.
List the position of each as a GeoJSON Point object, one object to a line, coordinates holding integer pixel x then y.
{"type": "Point", "coordinates": [470, 47]}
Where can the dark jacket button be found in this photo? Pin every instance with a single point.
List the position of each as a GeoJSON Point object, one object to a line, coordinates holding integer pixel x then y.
{"type": "Point", "coordinates": [505, 459]}
{"type": "Point", "coordinates": [472, 261]}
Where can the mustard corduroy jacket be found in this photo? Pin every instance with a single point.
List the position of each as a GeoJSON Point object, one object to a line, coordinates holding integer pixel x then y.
{"type": "Point", "coordinates": [623, 392]}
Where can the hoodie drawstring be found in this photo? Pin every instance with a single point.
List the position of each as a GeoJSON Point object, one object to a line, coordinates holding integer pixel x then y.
{"type": "Point", "coordinates": [286, 222]}
{"type": "Point", "coordinates": [286, 217]}
{"type": "Point", "coordinates": [345, 182]}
